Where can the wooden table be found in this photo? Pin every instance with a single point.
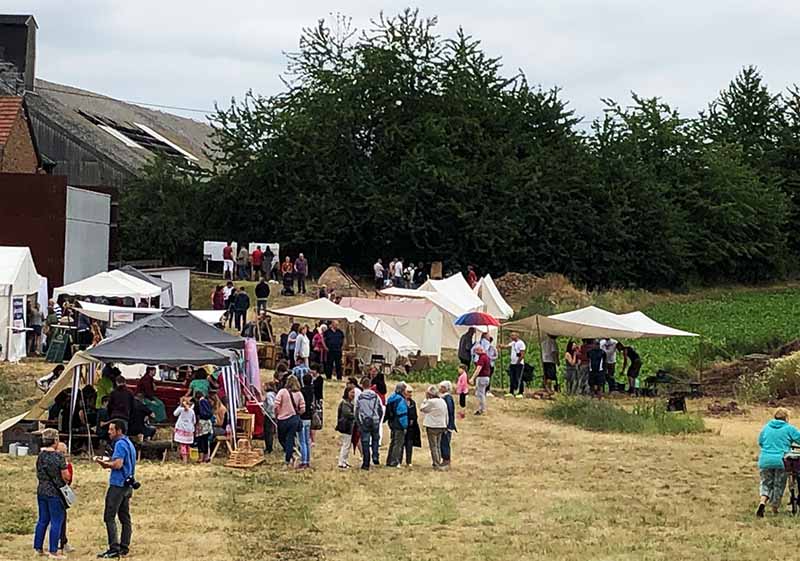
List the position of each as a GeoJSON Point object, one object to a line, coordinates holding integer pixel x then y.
{"type": "Point", "coordinates": [246, 421]}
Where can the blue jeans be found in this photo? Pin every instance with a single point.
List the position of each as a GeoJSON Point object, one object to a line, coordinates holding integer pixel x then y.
{"type": "Point", "coordinates": [51, 513]}
{"type": "Point", "coordinates": [305, 442]}
{"type": "Point", "coordinates": [370, 440]}
{"type": "Point", "coordinates": [445, 447]}
{"type": "Point", "coordinates": [287, 430]}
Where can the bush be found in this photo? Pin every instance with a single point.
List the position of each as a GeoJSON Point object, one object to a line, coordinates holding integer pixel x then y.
{"type": "Point", "coordinates": [779, 380]}
{"type": "Point", "coordinates": [442, 371]}
{"type": "Point", "coordinates": [646, 417]}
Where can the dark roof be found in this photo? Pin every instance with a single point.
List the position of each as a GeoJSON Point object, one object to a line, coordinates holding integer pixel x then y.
{"type": "Point", "coordinates": [78, 113]}
{"type": "Point", "coordinates": [197, 329]}
{"type": "Point", "coordinates": [9, 109]}
{"type": "Point", "coordinates": [13, 19]}
{"type": "Point", "coordinates": [156, 342]}
{"type": "Point", "coordinates": [134, 272]}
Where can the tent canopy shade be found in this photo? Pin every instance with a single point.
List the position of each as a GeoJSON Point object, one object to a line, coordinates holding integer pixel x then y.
{"type": "Point", "coordinates": [18, 271]}
{"type": "Point", "coordinates": [321, 308]}
{"type": "Point", "coordinates": [109, 285]}
{"type": "Point", "coordinates": [102, 312]}
{"type": "Point", "coordinates": [157, 342]}
{"type": "Point", "coordinates": [592, 323]}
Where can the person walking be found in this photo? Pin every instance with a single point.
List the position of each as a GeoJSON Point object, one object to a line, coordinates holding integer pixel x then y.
{"type": "Point", "coordinates": [319, 351]}
{"type": "Point", "coordinates": [397, 417]}
{"type": "Point", "coordinates": [305, 421]}
{"type": "Point", "coordinates": [462, 389]}
{"type": "Point", "coordinates": [378, 272]}
{"type": "Point", "coordinates": [301, 272]}
{"type": "Point", "coordinates": [445, 387]}
{"type": "Point", "coordinates": [369, 412]}
{"type": "Point", "coordinates": [549, 363]}
{"type": "Point", "coordinates": [262, 295]}
{"type": "Point", "coordinates": [435, 422]}
{"type": "Point", "coordinates": [775, 440]}
{"type": "Point", "coordinates": [52, 474]}
{"type": "Point", "coordinates": [184, 426]}
{"type": "Point", "coordinates": [334, 340]}
{"type": "Point", "coordinates": [242, 305]}
{"type": "Point", "coordinates": [413, 437]}
{"type": "Point", "coordinates": [345, 419]}
{"type": "Point", "coordinates": [289, 405]}
{"type": "Point", "coordinates": [269, 416]}
{"type": "Point", "coordinates": [516, 366]}
{"type": "Point", "coordinates": [571, 371]}
{"type": "Point", "coordinates": [120, 489]}
{"type": "Point", "coordinates": [64, 545]}
{"type": "Point", "coordinates": [480, 378]}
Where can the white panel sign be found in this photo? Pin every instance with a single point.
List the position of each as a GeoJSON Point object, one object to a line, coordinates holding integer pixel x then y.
{"type": "Point", "coordinates": [213, 250]}
{"type": "Point", "coordinates": [274, 247]}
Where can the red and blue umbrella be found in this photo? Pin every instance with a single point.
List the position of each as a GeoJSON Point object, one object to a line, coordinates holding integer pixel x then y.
{"type": "Point", "coordinates": [477, 319]}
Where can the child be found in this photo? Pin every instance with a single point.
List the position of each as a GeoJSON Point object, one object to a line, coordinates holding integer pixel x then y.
{"type": "Point", "coordinates": [269, 416]}
{"type": "Point", "coordinates": [184, 426]}
{"type": "Point", "coordinates": [65, 547]}
{"type": "Point", "coordinates": [462, 389]}
{"type": "Point", "coordinates": [204, 426]}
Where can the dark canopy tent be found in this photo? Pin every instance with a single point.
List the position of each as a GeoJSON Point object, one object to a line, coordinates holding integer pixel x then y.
{"type": "Point", "coordinates": [165, 286]}
{"type": "Point", "coordinates": [200, 331]}
{"type": "Point", "coordinates": [156, 342]}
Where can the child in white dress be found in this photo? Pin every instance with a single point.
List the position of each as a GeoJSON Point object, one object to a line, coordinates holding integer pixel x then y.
{"type": "Point", "coordinates": [185, 426]}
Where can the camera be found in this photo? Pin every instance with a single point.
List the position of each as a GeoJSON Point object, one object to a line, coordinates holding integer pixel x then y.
{"type": "Point", "coordinates": [131, 482]}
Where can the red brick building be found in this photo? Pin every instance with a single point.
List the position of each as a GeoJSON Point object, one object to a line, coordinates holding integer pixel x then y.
{"type": "Point", "coordinates": [18, 153]}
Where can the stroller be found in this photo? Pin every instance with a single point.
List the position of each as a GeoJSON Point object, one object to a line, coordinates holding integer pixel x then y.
{"type": "Point", "coordinates": [288, 282]}
{"type": "Point", "coordinates": [791, 463]}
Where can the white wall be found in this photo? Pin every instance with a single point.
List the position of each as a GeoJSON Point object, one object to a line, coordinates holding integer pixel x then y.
{"type": "Point", "coordinates": [87, 234]}
{"type": "Point", "coordinates": [179, 277]}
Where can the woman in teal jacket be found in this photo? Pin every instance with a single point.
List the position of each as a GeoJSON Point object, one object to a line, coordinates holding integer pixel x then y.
{"type": "Point", "coordinates": [775, 440]}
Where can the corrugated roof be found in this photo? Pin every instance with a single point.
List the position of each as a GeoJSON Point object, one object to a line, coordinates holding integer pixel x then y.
{"type": "Point", "coordinates": [9, 109]}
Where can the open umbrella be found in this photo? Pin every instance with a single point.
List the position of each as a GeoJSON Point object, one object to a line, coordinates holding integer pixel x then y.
{"type": "Point", "coordinates": [477, 319]}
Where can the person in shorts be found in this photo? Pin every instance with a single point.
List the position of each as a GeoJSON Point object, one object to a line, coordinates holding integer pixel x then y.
{"type": "Point", "coordinates": [549, 363]}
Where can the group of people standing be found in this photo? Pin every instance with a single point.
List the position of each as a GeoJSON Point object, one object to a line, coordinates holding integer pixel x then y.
{"type": "Point", "coordinates": [398, 275]}
{"type": "Point", "coordinates": [591, 365]}
{"type": "Point", "coordinates": [324, 345]}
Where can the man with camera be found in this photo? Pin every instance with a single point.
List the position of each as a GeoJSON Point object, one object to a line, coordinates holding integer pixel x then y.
{"type": "Point", "coordinates": [121, 484]}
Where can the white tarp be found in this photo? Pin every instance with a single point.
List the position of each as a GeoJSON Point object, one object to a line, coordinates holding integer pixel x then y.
{"type": "Point", "coordinates": [102, 312]}
{"type": "Point", "coordinates": [18, 279]}
{"type": "Point", "coordinates": [456, 289]}
{"type": "Point", "coordinates": [592, 323]}
{"type": "Point", "coordinates": [110, 285]}
{"type": "Point", "coordinates": [494, 303]}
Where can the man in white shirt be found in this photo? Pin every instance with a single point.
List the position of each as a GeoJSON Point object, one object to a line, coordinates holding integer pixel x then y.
{"type": "Point", "coordinates": [398, 273]}
{"type": "Point", "coordinates": [609, 347]}
{"type": "Point", "coordinates": [517, 351]}
{"type": "Point", "coordinates": [549, 362]}
{"type": "Point", "coordinates": [378, 269]}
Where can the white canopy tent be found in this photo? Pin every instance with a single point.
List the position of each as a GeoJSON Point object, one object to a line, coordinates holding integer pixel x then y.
{"type": "Point", "coordinates": [18, 280]}
{"type": "Point", "coordinates": [494, 303]}
{"type": "Point", "coordinates": [372, 336]}
{"type": "Point", "coordinates": [456, 289]}
{"type": "Point", "coordinates": [103, 312]}
{"type": "Point", "coordinates": [115, 284]}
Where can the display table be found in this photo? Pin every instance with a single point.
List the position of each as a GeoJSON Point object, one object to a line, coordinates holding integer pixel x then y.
{"type": "Point", "coordinates": [254, 409]}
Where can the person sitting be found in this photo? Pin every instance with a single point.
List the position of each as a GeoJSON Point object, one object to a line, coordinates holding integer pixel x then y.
{"type": "Point", "coordinates": [45, 382]}
{"type": "Point", "coordinates": [775, 441]}
{"type": "Point", "coordinates": [147, 388]}
{"type": "Point", "coordinates": [140, 416]}
{"type": "Point", "coordinates": [120, 402]}
{"type": "Point", "coordinates": [105, 385]}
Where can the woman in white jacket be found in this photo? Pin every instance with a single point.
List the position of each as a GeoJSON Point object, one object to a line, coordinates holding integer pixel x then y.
{"type": "Point", "coordinates": [435, 410]}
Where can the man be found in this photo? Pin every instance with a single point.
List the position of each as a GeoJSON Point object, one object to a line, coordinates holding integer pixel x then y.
{"type": "Point", "coordinates": [242, 262]}
{"type": "Point", "coordinates": [378, 270]}
{"type": "Point", "coordinates": [597, 358]}
{"type": "Point", "coordinates": [301, 271]}
{"type": "Point", "coordinates": [517, 365]}
{"type": "Point", "coordinates": [368, 413]}
{"type": "Point", "coordinates": [257, 259]}
{"type": "Point", "coordinates": [147, 387]}
{"type": "Point", "coordinates": [240, 307]}
{"type": "Point", "coordinates": [334, 340]}
{"type": "Point", "coordinates": [227, 261]}
{"type": "Point", "coordinates": [300, 369]}
{"type": "Point", "coordinates": [549, 362]}
{"type": "Point", "coordinates": [226, 294]}
{"type": "Point", "coordinates": [230, 307]}
{"type": "Point", "coordinates": [117, 504]}
{"type": "Point", "coordinates": [472, 278]}
{"type": "Point", "coordinates": [120, 401]}
{"type": "Point", "coordinates": [262, 295]}
{"type": "Point", "coordinates": [266, 262]}
{"type": "Point", "coordinates": [480, 379]}
{"type": "Point", "coordinates": [263, 332]}
{"type": "Point", "coordinates": [609, 347]}
{"type": "Point", "coordinates": [56, 308]}
{"type": "Point", "coordinates": [465, 347]}
{"type": "Point", "coordinates": [139, 419]}
{"type": "Point", "coordinates": [397, 417]}
{"type": "Point", "coordinates": [420, 276]}
{"type": "Point", "coordinates": [398, 273]}
{"type": "Point", "coordinates": [630, 354]}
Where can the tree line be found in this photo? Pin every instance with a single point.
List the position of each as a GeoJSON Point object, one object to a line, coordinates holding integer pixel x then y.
{"type": "Point", "coordinates": [395, 141]}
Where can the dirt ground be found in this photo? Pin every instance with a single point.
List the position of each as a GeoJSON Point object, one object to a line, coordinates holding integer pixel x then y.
{"type": "Point", "coordinates": [520, 487]}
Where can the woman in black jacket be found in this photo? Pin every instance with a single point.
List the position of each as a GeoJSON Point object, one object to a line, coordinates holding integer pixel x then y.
{"type": "Point", "coordinates": [345, 419]}
{"type": "Point", "coordinates": [445, 387]}
{"type": "Point", "coordinates": [413, 437]}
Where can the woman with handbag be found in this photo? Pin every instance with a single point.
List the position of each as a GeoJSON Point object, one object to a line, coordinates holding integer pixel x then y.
{"type": "Point", "coordinates": [289, 405]}
{"type": "Point", "coordinates": [305, 419]}
{"type": "Point", "coordinates": [52, 473]}
{"type": "Point", "coordinates": [345, 420]}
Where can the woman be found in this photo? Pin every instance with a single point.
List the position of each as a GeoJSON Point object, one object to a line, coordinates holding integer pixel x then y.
{"type": "Point", "coordinates": [320, 349]}
{"type": "Point", "coordinates": [220, 418]}
{"type": "Point", "coordinates": [302, 346]}
{"type": "Point", "coordinates": [413, 438]}
{"type": "Point", "coordinates": [345, 419]}
{"type": "Point", "coordinates": [218, 298]}
{"type": "Point", "coordinates": [291, 343]}
{"type": "Point", "coordinates": [571, 373]}
{"type": "Point", "coordinates": [435, 410]}
{"type": "Point", "coordinates": [52, 472]}
{"type": "Point", "coordinates": [289, 405]}
{"type": "Point", "coordinates": [35, 322]}
{"type": "Point", "coordinates": [305, 419]}
{"type": "Point", "coordinates": [445, 387]}
{"type": "Point", "coordinates": [775, 441]}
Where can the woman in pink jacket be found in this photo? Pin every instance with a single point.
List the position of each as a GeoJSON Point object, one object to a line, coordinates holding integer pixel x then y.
{"type": "Point", "coordinates": [289, 405]}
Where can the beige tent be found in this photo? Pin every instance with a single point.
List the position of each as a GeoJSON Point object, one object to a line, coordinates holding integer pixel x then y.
{"type": "Point", "coordinates": [494, 303]}
{"type": "Point", "coordinates": [336, 278]}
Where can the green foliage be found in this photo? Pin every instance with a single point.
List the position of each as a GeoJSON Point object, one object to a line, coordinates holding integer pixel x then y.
{"type": "Point", "coordinates": [646, 417]}
{"type": "Point", "coordinates": [442, 371]}
{"type": "Point", "coordinates": [779, 380]}
{"type": "Point", "coordinates": [16, 520]}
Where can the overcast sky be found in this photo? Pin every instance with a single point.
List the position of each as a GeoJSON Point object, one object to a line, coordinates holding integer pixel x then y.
{"type": "Point", "coordinates": [193, 53]}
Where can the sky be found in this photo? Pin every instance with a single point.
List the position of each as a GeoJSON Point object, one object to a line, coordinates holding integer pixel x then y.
{"type": "Point", "coordinates": [196, 53]}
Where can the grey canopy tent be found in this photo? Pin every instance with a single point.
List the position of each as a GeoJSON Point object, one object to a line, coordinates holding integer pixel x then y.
{"type": "Point", "coordinates": [167, 298]}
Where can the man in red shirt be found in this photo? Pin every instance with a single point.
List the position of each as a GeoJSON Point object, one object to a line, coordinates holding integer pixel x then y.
{"type": "Point", "coordinates": [481, 378]}
{"type": "Point", "coordinates": [227, 261]}
{"type": "Point", "coordinates": [472, 278]}
{"type": "Point", "coordinates": [257, 258]}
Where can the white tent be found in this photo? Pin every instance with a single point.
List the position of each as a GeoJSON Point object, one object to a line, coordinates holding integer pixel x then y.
{"type": "Point", "coordinates": [494, 303]}
{"type": "Point", "coordinates": [372, 336]}
{"type": "Point", "coordinates": [102, 312]}
{"type": "Point", "coordinates": [418, 319]}
{"type": "Point", "coordinates": [18, 279]}
{"type": "Point", "coordinates": [456, 289]}
{"type": "Point", "coordinates": [115, 284]}
{"type": "Point", "coordinates": [592, 323]}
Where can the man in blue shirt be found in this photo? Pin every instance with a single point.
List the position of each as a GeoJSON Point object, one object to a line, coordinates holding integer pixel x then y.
{"type": "Point", "coordinates": [123, 468]}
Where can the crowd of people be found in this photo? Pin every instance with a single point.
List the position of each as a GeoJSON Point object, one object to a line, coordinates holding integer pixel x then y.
{"type": "Point", "coordinates": [265, 265]}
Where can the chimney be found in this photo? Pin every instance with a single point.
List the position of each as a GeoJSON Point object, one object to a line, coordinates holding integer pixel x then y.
{"type": "Point", "coordinates": [18, 45]}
